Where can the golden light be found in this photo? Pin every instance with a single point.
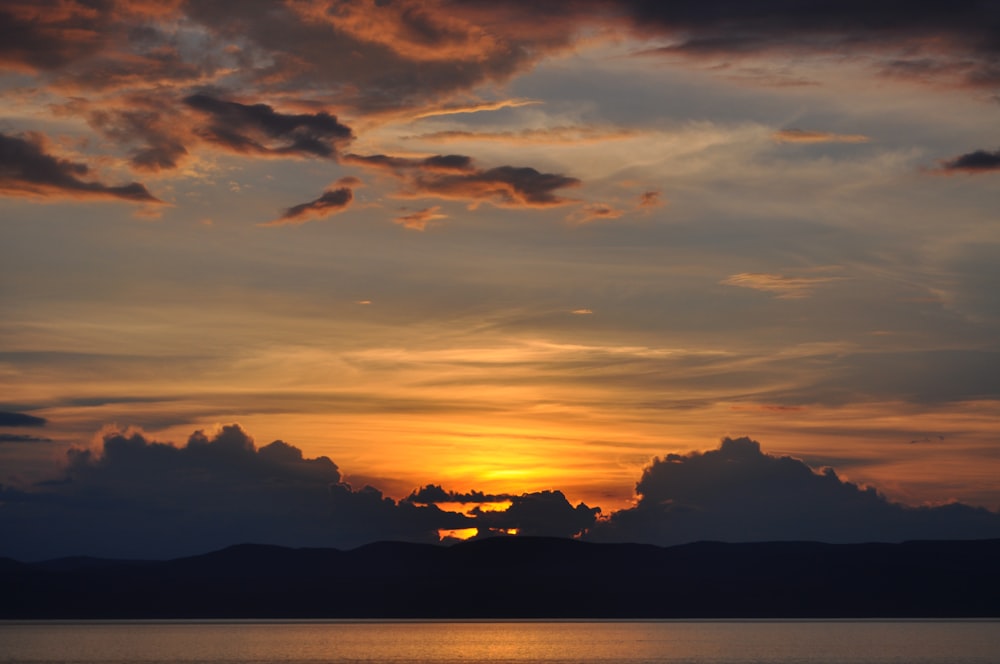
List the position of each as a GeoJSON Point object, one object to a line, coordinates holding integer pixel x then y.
{"type": "Point", "coordinates": [457, 533]}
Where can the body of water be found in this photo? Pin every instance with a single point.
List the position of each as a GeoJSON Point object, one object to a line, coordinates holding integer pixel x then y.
{"type": "Point", "coordinates": [701, 642]}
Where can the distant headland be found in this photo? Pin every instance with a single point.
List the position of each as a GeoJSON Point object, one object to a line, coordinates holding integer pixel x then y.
{"type": "Point", "coordinates": [521, 577]}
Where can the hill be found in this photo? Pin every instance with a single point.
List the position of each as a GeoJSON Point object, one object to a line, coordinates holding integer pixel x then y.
{"type": "Point", "coordinates": [522, 577]}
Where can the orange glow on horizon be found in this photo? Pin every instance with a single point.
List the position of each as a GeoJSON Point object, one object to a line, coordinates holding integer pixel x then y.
{"type": "Point", "coordinates": [457, 533]}
{"type": "Point", "coordinates": [466, 508]}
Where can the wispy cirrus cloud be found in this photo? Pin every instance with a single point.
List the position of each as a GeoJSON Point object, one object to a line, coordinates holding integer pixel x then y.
{"type": "Point", "coordinates": [782, 286]}
{"type": "Point", "coordinates": [564, 135]}
{"type": "Point", "coordinates": [480, 107]}
{"type": "Point", "coordinates": [419, 220]}
{"type": "Point", "coordinates": [806, 136]}
{"type": "Point", "coordinates": [594, 212]}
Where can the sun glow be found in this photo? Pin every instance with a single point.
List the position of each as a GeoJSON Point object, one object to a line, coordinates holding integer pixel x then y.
{"type": "Point", "coordinates": [457, 533]}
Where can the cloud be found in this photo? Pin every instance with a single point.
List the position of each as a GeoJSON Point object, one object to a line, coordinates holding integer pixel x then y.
{"type": "Point", "coordinates": [803, 136]}
{"type": "Point", "coordinates": [159, 133]}
{"type": "Point", "coordinates": [48, 35]}
{"type": "Point", "coordinates": [333, 201]}
{"type": "Point", "coordinates": [450, 163]}
{"type": "Point", "coordinates": [9, 419]}
{"type": "Point", "coordinates": [650, 199]}
{"type": "Point", "coordinates": [594, 212]}
{"type": "Point", "coordinates": [504, 186]}
{"type": "Point", "coordinates": [783, 287]}
{"type": "Point", "coordinates": [418, 220]}
{"type": "Point", "coordinates": [544, 513]}
{"type": "Point", "coordinates": [955, 41]}
{"type": "Point", "coordinates": [980, 161]}
{"type": "Point", "coordinates": [456, 177]}
{"type": "Point", "coordinates": [435, 493]}
{"type": "Point", "coordinates": [384, 58]}
{"type": "Point", "coordinates": [136, 497]}
{"type": "Point", "coordinates": [477, 108]}
{"type": "Point", "coordinates": [259, 129]}
{"type": "Point", "coordinates": [18, 438]}
{"type": "Point", "coordinates": [569, 135]}
{"type": "Point", "coordinates": [739, 493]}
{"type": "Point", "coordinates": [27, 170]}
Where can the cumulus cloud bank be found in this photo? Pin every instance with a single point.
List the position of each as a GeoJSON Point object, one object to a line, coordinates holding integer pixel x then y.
{"type": "Point", "coordinates": [137, 497]}
{"type": "Point", "coordinates": [738, 493]}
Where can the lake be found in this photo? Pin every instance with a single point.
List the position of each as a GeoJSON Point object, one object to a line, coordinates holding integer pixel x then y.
{"type": "Point", "coordinates": [717, 642]}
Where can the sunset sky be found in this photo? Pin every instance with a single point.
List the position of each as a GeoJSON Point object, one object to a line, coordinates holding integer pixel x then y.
{"type": "Point", "coordinates": [516, 248]}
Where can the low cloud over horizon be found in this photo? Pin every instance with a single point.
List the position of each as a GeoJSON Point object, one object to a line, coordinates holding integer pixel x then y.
{"type": "Point", "coordinates": [134, 497]}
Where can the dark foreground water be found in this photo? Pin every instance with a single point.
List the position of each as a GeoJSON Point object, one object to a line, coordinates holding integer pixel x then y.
{"type": "Point", "coordinates": [762, 642]}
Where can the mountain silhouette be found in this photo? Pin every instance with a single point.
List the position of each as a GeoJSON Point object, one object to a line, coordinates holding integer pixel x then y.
{"type": "Point", "coordinates": [521, 577]}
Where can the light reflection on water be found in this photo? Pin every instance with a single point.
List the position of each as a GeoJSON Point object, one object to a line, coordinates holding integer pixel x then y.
{"type": "Point", "coordinates": [674, 642]}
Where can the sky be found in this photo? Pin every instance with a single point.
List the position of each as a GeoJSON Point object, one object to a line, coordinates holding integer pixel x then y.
{"type": "Point", "coordinates": [613, 269]}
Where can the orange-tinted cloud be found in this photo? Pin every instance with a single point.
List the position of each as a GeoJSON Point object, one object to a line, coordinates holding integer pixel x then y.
{"type": "Point", "coordinates": [418, 220]}
{"type": "Point", "coordinates": [571, 135]}
{"type": "Point", "coordinates": [783, 287]}
{"type": "Point", "coordinates": [26, 169]}
{"type": "Point", "coordinates": [47, 35]}
{"type": "Point", "coordinates": [803, 136]}
{"type": "Point", "coordinates": [594, 212]}
{"type": "Point", "coordinates": [651, 199]}
{"type": "Point", "coordinates": [159, 134]}
{"type": "Point", "coordinates": [333, 201]}
{"type": "Point", "coordinates": [477, 108]}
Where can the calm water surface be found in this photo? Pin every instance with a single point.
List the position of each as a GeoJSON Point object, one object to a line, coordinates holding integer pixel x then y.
{"type": "Point", "coordinates": [716, 642]}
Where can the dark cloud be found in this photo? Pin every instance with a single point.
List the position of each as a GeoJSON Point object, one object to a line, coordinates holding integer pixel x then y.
{"type": "Point", "coordinates": [161, 143]}
{"type": "Point", "coordinates": [18, 438]}
{"type": "Point", "coordinates": [456, 177]}
{"type": "Point", "coordinates": [504, 186]}
{"type": "Point", "coordinates": [331, 202]}
{"type": "Point", "coordinates": [544, 513]}
{"type": "Point", "coordinates": [451, 163]}
{"type": "Point", "coordinates": [979, 161]}
{"type": "Point", "coordinates": [738, 493]}
{"type": "Point", "coordinates": [8, 419]}
{"type": "Point", "coordinates": [259, 129]}
{"type": "Point", "coordinates": [27, 170]}
{"type": "Point", "coordinates": [47, 34]}
{"type": "Point", "coordinates": [434, 493]}
{"type": "Point", "coordinates": [965, 30]}
{"type": "Point", "coordinates": [135, 497]}
{"type": "Point", "coordinates": [386, 57]}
